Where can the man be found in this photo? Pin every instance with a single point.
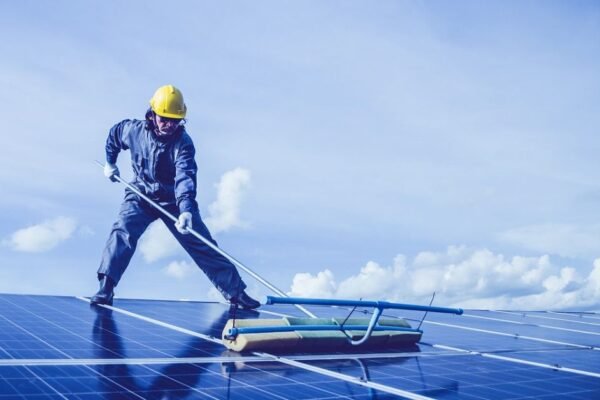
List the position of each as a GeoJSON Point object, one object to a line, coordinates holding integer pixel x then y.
{"type": "Point", "coordinates": [162, 155]}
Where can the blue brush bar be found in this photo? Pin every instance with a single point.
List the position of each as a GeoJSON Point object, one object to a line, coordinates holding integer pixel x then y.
{"type": "Point", "coordinates": [361, 303]}
{"type": "Point", "coordinates": [233, 332]}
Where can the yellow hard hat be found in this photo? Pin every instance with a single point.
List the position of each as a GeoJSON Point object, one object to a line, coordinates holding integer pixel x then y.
{"type": "Point", "coordinates": [168, 102]}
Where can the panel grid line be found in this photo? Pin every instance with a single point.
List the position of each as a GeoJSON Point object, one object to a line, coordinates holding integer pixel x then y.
{"type": "Point", "coordinates": [535, 325]}
{"type": "Point", "coordinates": [526, 337]}
{"type": "Point", "coordinates": [519, 361]}
{"type": "Point", "coordinates": [210, 360]}
{"type": "Point", "coordinates": [532, 315]}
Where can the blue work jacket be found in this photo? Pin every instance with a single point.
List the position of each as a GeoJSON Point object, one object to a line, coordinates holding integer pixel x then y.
{"type": "Point", "coordinates": [164, 169]}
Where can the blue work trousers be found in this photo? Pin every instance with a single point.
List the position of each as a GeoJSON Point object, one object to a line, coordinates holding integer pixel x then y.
{"type": "Point", "coordinates": [135, 216]}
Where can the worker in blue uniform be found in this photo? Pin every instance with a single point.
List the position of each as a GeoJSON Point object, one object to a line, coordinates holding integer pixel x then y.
{"type": "Point", "coordinates": [162, 155]}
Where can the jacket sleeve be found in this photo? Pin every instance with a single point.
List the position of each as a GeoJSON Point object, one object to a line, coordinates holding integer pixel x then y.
{"type": "Point", "coordinates": [185, 176]}
{"type": "Point", "coordinates": [118, 138]}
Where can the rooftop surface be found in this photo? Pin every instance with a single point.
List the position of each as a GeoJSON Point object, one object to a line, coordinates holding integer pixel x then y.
{"type": "Point", "coordinates": [61, 348]}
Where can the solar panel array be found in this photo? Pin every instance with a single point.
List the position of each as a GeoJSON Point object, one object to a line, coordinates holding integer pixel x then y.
{"type": "Point", "coordinates": [61, 348]}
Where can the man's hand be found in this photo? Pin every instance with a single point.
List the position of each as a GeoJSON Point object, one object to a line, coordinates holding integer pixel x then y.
{"type": "Point", "coordinates": [110, 171]}
{"type": "Point", "coordinates": [183, 222]}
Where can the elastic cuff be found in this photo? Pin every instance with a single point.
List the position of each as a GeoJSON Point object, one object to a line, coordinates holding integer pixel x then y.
{"type": "Point", "coordinates": [187, 205]}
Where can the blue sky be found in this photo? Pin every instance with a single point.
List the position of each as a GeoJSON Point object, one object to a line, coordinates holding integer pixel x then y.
{"type": "Point", "coordinates": [345, 148]}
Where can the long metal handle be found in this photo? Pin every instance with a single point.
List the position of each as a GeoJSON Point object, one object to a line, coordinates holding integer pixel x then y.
{"type": "Point", "coordinates": [361, 303]}
{"type": "Point", "coordinates": [209, 243]}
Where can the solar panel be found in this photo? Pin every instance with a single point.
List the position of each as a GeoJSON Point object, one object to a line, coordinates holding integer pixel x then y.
{"type": "Point", "coordinates": [61, 348]}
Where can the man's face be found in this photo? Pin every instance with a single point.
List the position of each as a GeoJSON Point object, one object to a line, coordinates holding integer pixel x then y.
{"type": "Point", "coordinates": [166, 126]}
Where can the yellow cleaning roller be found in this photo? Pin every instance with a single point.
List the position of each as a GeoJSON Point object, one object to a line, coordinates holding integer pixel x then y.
{"type": "Point", "coordinates": [325, 334]}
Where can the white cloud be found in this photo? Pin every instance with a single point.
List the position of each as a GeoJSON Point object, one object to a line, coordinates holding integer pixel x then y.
{"type": "Point", "coordinates": [307, 285]}
{"type": "Point", "coordinates": [224, 212]}
{"type": "Point", "coordinates": [463, 277]}
{"type": "Point", "coordinates": [42, 237]}
{"type": "Point", "coordinates": [178, 269]}
{"type": "Point", "coordinates": [562, 239]}
{"type": "Point", "coordinates": [158, 243]}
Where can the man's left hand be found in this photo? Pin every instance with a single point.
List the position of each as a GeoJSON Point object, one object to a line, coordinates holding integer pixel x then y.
{"type": "Point", "coordinates": [184, 222]}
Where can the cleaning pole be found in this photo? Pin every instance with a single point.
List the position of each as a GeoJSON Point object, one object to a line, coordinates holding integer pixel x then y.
{"type": "Point", "coordinates": [209, 243]}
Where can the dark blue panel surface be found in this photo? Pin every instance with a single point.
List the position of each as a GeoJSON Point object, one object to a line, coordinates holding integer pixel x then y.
{"type": "Point", "coordinates": [466, 376]}
{"type": "Point", "coordinates": [206, 318]}
{"type": "Point", "coordinates": [189, 381]}
{"type": "Point", "coordinates": [542, 318]}
{"type": "Point", "coordinates": [567, 334]}
{"type": "Point", "coordinates": [585, 360]}
{"type": "Point", "coordinates": [49, 327]}
{"type": "Point", "coordinates": [63, 327]}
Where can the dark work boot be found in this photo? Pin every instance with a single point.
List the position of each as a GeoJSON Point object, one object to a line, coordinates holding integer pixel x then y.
{"type": "Point", "coordinates": [105, 294]}
{"type": "Point", "coordinates": [244, 301]}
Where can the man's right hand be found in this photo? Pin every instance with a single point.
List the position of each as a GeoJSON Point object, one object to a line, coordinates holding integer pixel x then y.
{"type": "Point", "coordinates": [184, 222]}
{"type": "Point", "coordinates": [110, 171]}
